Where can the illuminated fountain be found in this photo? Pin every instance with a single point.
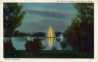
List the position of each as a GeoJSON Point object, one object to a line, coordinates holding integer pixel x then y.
{"type": "Point", "coordinates": [51, 37]}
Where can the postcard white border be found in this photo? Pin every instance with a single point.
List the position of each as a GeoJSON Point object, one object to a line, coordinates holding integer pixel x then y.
{"type": "Point", "coordinates": [50, 59]}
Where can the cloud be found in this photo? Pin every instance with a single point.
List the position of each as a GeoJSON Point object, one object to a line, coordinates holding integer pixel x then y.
{"type": "Point", "coordinates": [41, 16]}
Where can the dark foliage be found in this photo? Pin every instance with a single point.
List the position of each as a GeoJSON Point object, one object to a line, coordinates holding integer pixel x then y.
{"type": "Point", "coordinates": [33, 47]}
{"type": "Point", "coordinates": [80, 34]}
{"type": "Point", "coordinates": [12, 17]}
{"type": "Point", "coordinates": [9, 50]}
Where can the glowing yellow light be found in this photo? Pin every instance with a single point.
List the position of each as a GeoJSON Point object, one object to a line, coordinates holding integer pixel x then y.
{"type": "Point", "coordinates": [51, 37]}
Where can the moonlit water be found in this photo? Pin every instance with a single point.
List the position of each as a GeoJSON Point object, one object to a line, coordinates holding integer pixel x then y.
{"type": "Point", "coordinates": [19, 43]}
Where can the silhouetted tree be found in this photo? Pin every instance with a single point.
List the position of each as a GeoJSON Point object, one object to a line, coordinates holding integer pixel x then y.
{"type": "Point", "coordinates": [81, 32]}
{"type": "Point", "coordinates": [12, 17]}
{"type": "Point", "coordinates": [9, 50]}
{"type": "Point", "coordinates": [33, 47]}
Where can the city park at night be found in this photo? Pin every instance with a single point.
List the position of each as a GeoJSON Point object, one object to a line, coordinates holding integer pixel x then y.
{"type": "Point", "coordinates": [48, 30]}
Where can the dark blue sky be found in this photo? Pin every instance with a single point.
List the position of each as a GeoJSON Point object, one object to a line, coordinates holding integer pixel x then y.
{"type": "Point", "coordinates": [39, 16]}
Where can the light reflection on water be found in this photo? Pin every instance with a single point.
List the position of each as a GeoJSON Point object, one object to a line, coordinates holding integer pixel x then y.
{"type": "Point", "coordinates": [19, 44]}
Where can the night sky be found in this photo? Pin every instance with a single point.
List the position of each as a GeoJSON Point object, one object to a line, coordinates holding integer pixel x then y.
{"type": "Point", "coordinates": [40, 16]}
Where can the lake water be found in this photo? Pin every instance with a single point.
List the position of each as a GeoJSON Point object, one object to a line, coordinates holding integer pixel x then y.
{"type": "Point", "coordinates": [19, 43]}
